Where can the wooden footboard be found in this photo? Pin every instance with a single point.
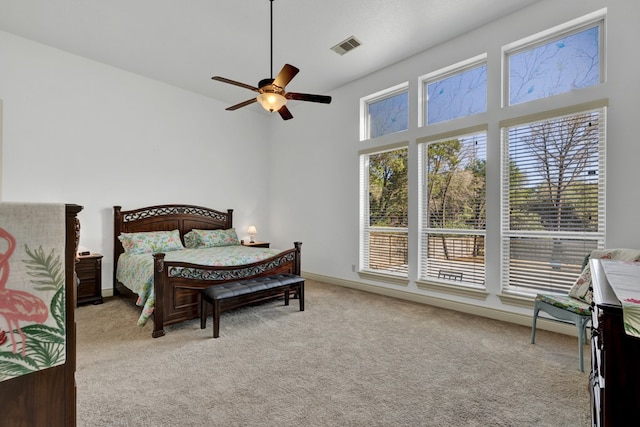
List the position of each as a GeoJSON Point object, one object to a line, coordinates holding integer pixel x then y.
{"type": "Point", "coordinates": [177, 285]}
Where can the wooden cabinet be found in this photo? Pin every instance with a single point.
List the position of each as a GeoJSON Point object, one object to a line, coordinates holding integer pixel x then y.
{"type": "Point", "coordinates": [615, 372]}
{"type": "Point", "coordinates": [89, 271]}
{"type": "Point", "coordinates": [47, 397]}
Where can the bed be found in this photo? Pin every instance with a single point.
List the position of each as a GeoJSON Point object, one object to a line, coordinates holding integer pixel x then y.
{"type": "Point", "coordinates": [174, 278]}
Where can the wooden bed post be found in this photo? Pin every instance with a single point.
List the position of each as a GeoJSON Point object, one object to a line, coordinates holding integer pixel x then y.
{"type": "Point", "coordinates": [158, 286]}
{"type": "Point", "coordinates": [229, 218]}
{"type": "Point", "coordinates": [298, 246]}
{"type": "Point", "coordinates": [116, 232]}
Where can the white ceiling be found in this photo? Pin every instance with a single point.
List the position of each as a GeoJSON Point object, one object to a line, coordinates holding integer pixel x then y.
{"type": "Point", "coordinates": [185, 42]}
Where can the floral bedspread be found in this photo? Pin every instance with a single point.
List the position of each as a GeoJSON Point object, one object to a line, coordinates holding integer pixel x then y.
{"type": "Point", "coordinates": [136, 271]}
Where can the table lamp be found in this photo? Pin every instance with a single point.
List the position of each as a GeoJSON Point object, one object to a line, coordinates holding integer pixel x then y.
{"type": "Point", "coordinates": [252, 232]}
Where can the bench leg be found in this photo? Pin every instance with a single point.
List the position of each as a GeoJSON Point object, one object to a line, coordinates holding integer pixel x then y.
{"type": "Point", "coordinates": [216, 319]}
{"type": "Point", "coordinates": [203, 312]}
{"type": "Point", "coordinates": [286, 297]}
{"type": "Point", "coordinates": [301, 296]}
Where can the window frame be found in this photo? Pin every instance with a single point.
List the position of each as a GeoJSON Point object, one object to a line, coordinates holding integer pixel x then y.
{"type": "Point", "coordinates": [442, 74]}
{"type": "Point", "coordinates": [506, 233]}
{"type": "Point", "coordinates": [365, 228]}
{"type": "Point", "coordinates": [498, 114]}
{"type": "Point", "coordinates": [365, 122]}
{"type": "Point", "coordinates": [424, 230]}
{"type": "Point", "coordinates": [595, 19]}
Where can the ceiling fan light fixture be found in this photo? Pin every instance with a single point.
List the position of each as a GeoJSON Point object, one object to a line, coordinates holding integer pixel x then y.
{"type": "Point", "coordinates": [272, 93]}
{"type": "Point", "coordinates": [271, 101]}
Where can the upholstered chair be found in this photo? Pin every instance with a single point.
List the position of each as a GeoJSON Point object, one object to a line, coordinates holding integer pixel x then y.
{"type": "Point", "coordinates": [575, 307]}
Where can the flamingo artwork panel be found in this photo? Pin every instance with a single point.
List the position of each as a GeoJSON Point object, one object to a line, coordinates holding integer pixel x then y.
{"type": "Point", "coordinates": [32, 287]}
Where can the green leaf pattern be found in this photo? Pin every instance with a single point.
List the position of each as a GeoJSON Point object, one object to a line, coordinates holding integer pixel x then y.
{"type": "Point", "coordinates": [45, 345]}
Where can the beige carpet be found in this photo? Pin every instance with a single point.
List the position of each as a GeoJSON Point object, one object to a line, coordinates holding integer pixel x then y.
{"type": "Point", "coordinates": [351, 359]}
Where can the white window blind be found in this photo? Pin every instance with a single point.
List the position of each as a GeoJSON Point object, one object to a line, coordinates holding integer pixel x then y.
{"type": "Point", "coordinates": [453, 213]}
{"type": "Point", "coordinates": [553, 209]}
{"type": "Point", "coordinates": [384, 212]}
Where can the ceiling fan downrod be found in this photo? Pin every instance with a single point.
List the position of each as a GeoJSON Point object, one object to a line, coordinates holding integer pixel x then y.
{"type": "Point", "coordinates": [271, 24]}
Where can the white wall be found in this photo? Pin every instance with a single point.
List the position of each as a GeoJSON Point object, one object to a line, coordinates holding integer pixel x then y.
{"type": "Point", "coordinates": [322, 165]}
{"type": "Point", "coordinates": [77, 131]}
{"type": "Point", "coordinates": [81, 132]}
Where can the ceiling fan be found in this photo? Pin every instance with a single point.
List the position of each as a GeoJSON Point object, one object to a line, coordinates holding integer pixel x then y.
{"type": "Point", "coordinates": [271, 92]}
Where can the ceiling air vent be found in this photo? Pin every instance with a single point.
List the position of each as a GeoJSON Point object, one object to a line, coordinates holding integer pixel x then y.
{"type": "Point", "coordinates": [346, 45]}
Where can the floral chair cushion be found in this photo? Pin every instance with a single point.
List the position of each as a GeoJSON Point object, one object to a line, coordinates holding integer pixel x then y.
{"type": "Point", "coordinates": [566, 302]}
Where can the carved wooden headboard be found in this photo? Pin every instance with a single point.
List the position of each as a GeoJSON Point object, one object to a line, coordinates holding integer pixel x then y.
{"type": "Point", "coordinates": [165, 218]}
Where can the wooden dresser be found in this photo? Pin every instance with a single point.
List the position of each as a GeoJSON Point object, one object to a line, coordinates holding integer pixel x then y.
{"type": "Point", "coordinates": [47, 397]}
{"type": "Point", "coordinates": [615, 358]}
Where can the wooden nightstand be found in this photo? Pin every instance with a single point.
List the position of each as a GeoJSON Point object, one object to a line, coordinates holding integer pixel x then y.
{"type": "Point", "coordinates": [256, 244]}
{"type": "Point", "coordinates": [89, 271]}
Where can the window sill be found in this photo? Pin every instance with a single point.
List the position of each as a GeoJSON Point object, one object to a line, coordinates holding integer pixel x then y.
{"type": "Point", "coordinates": [517, 300]}
{"type": "Point", "coordinates": [462, 290]}
{"type": "Point", "coordinates": [387, 278]}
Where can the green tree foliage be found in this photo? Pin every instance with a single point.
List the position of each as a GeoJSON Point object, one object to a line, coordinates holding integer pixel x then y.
{"type": "Point", "coordinates": [455, 186]}
{"type": "Point", "coordinates": [388, 198]}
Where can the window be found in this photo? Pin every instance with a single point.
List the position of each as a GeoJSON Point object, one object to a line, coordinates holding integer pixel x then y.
{"type": "Point", "coordinates": [458, 91]}
{"type": "Point", "coordinates": [553, 199]}
{"type": "Point", "coordinates": [552, 169]}
{"type": "Point", "coordinates": [557, 65]}
{"type": "Point", "coordinates": [452, 192]}
{"type": "Point", "coordinates": [383, 211]}
{"type": "Point", "coordinates": [385, 112]}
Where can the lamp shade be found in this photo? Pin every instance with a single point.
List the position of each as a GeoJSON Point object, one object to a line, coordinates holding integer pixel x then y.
{"type": "Point", "coordinates": [271, 101]}
{"type": "Point", "coordinates": [252, 232]}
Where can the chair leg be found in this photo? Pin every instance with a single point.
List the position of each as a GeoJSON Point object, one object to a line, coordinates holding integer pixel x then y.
{"type": "Point", "coordinates": [536, 310]}
{"type": "Point", "coordinates": [581, 324]}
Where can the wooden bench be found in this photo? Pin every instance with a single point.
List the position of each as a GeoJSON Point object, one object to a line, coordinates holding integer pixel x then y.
{"type": "Point", "coordinates": [227, 296]}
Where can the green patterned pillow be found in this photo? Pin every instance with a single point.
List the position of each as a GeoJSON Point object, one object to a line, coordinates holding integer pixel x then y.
{"type": "Point", "coordinates": [191, 240]}
{"type": "Point", "coordinates": [151, 242]}
{"type": "Point", "coordinates": [214, 238]}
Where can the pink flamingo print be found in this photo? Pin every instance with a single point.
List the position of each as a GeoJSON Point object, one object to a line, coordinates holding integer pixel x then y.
{"type": "Point", "coordinates": [15, 305]}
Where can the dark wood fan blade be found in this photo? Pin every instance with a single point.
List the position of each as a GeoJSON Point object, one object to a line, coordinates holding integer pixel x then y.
{"type": "Point", "coordinates": [285, 75]}
{"type": "Point", "coordinates": [285, 113]}
{"type": "Point", "coordinates": [323, 99]}
{"type": "Point", "coordinates": [233, 82]}
{"type": "Point", "coordinates": [242, 104]}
